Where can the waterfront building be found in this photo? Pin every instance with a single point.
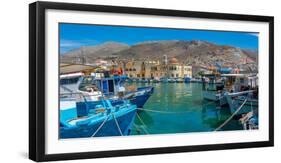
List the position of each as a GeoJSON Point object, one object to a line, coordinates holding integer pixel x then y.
{"type": "Point", "coordinates": [134, 69]}
{"type": "Point", "coordinates": [171, 69]}
{"type": "Point", "coordinates": [147, 69]}
{"type": "Point", "coordinates": [138, 69]}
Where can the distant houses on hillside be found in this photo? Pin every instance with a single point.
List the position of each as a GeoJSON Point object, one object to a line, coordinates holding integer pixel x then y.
{"type": "Point", "coordinates": [163, 68]}
{"type": "Point", "coordinates": [157, 69]}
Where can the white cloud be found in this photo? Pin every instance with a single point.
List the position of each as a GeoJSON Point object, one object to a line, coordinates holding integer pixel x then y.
{"type": "Point", "coordinates": [69, 43]}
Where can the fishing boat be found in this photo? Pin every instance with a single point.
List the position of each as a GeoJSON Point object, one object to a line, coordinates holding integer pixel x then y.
{"type": "Point", "coordinates": [113, 88]}
{"type": "Point", "coordinates": [215, 95]}
{"type": "Point", "coordinates": [195, 80]}
{"type": "Point", "coordinates": [212, 90]}
{"type": "Point", "coordinates": [229, 83]}
{"type": "Point", "coordinates": [97, 118]}
{"type": "Point", "coordinates": [250, 101]}
{"type": "Point", "coordinates": [76, 78]}
{"type": "Point", "coordinates": [179, 80]}
{"type": "Point", "coordinates": [144, 80]}
{"type": "Point", "coordinates": [242, 102]}
{"type": "Point", "coordinates": [164, 80]}
{"type": "Point", "coordinates": [187, 79]}
{"type": "Point", "coordinates": [171, 80]}
{"type": "Point", "coordinates": [133, 80]}
{"type": "Point", "coordinates": [156, 80]}
{"type": "Point", "coordinates": [242, 91]}
{"type": "Point", "coordinates": [137, 80]}
{"type": "Point", "coordinates": [69, 82]}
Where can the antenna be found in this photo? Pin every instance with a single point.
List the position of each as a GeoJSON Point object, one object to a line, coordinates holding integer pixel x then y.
{"type": "Point", "coordinates": [165, 59]}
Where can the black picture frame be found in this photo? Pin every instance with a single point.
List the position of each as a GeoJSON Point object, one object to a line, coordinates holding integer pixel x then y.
{"type": "Point", "coordinates": [37, 80]}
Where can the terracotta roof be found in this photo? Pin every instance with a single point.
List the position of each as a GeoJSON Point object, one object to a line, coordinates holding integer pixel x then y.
{"type": "Point", "coordinates": [173, 61]}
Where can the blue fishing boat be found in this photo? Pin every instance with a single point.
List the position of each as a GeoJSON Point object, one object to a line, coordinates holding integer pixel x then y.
{"type": "Point", "coordinates": [113, 88]}
{"type": "Point", "coordinates": [110, 87]}
{"type": "Point", "coordinates": [97, 118]}
{"type": "Point", "coordinates": [187, 79]}
{"type": "Point", "coordinates": [140, 96]}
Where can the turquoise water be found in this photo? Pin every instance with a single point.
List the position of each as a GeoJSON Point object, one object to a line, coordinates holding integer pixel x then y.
{"type": "Point", "coordinates": [180, 108]}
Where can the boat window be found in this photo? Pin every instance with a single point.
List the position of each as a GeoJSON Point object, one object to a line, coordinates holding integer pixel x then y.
{"type": "Point", "coordinates": [98, 84]}
{"type": "Point", "coordinates": [87, 80]}
{"type": "Point", "coordinates": [69, 80]}
{"type": "Point", "coordinates": [110, 86]}
{"type": "Point", "coordinates": [241, 80]}
{"type": "Point", "coordinates": [104, 86]}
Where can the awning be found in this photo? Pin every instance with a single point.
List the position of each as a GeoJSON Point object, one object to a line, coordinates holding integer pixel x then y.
{"type": "Point", "coordinates": [66, 68]}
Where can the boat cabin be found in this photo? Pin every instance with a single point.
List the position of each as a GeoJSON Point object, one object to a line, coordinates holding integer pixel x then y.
{"type": "Point", "coordinates": [240, 82]}
{"type": "Point", "coordinates": [108, 86]}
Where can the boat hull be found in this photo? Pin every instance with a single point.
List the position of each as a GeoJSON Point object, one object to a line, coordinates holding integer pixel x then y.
{"type": "Point", "coordinates": [125, 120]}
{"type": "Point", "coordinates": [241, 101]}
{"type": "Point", "coordinates": [216, 97]}
{"type": "Point", "coordinates": [140, 98]}
{"type": "Point", "coordinates": [187, 80]}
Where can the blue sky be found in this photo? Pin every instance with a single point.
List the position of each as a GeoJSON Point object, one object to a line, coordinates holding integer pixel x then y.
{"type": "Point", "coordinates": [74, 36]}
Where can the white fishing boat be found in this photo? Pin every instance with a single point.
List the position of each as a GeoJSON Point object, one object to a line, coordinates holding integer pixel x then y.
{"type": "Point", "coordinates": [216, 90]}
{"type": "Point", "coordinates": [179, 80]}
{"type": "Point", "coordinates": [171, 80]}
{"type": "Point", "coordinates": [242, 102]}
{"type": "Point", "coordinates": [213, 89]}
{"type": "Point", "coordinates": [195, 80]}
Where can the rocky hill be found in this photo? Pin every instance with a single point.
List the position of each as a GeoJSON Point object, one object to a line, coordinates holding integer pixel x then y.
{"type": "Point", "coordinates": [91, 53]}
{"type": "Point", "coordinates": [195, 52]}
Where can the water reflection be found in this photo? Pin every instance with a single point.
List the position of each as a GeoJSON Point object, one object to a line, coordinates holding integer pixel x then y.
{"type": "Point", "coordinates": [180, 109]}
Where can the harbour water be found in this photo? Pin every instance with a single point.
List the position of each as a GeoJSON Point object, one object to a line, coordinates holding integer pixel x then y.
{"type": "Point", "coordinates": [180, 108]}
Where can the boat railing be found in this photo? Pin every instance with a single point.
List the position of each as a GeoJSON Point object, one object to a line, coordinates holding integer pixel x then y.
{"type": "Point", "coordinates": [82, 97]}
{"type": "Point", "coordinates": [84, 94]}
{"type": "Point", "coordinates": [239, 93]}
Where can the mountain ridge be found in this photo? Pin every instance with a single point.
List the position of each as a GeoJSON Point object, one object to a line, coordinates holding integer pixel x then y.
{"type": "Point", "coordinates": [193, 51]}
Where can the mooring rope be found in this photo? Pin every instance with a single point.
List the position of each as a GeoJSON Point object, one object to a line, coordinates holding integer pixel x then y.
{"type": "Point", "coordinates": [225, 122]}
{"type": "Point", "coordinates": [164, 112]}
{"type": "Point", "coordinates": [168, 112]}
{"type": "Point", "coordinates": [101, 125]}
{"type": "Point", "coordinates": [142, 124]}
{"type": "Point", "coordinates": [117, 124]}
